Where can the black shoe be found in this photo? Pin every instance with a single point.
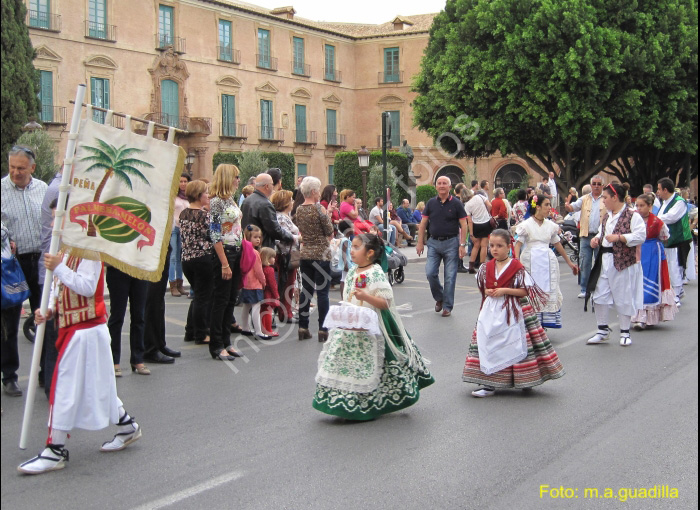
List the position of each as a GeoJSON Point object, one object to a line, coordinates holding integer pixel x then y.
{"type": "Point", "coordinates": [170, 352]}
{"type": "Point", "coordinates": [159, 357]}
{"type": "Point", "coordinates": [12, 389]}
{"type": "Point", "coordinates": [222, 354]}
{"type": "Point", "coordinates": [462, 269]}
{"type": "Point", "coordinates": [247, 333]}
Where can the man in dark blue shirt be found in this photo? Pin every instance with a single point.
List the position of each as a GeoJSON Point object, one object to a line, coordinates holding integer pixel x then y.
{"type": "Point", "coordinates": [405, 214]}
{"type": "Point", "coordinates": [447, 243]}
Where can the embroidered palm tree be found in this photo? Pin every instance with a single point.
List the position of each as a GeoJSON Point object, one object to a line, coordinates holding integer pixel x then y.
{"type": "Point", "coordinates": [117, 162]}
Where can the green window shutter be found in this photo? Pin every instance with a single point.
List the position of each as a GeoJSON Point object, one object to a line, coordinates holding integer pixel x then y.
{"type": "Point", "coordinates": [166, 30]}
{"type": "Point", "coordinates": [46, 95]}
{"type": "Point", "coordinates": [298, 44]}
{"type": "Point", "coordinates": [300, 115]}
{"type": "Point", "coordinates": [301, 169]}
{"type": "Point", "coordinates": [263, 48]}
{"type": "Point", "coordinates": [97, 14]}
{"type": "Point", "coordinates": [228, 118]}
{"type": "Point", "coordinates": [266, 127]}
{"type": "Point", "coordinates": [391, 65]}
{"type": "Point", "coordinates": [331, 177]}
{"type": "Point", "coordinates": [395, 119]}
{"type": "Point", "coordinates": [39, 13]}
{"type": "Point", "coordinates": [331, 128]}
{"type": "Point", "coordinates": [225, 46]}
{"type": "Point", "coordinates": [170, 102]}
{"type": "Point", "coordinates": [99, 96]}
{"type": "Point", "coordinates": [330, 62]}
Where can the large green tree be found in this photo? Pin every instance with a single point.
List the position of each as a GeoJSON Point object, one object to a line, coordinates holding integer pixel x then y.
{"type": "Point", "coordinates": [571, 84]}
{"type": "Point", "coordinates": [18, 85]}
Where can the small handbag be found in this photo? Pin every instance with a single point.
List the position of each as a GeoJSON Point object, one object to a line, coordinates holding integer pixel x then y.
{"type": "Point", "coordinates": [294, 259]}
{"type": "Point", "coordinates": [14, 285]}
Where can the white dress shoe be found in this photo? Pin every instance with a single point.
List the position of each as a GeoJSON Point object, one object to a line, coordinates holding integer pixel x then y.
{"type": "Point", "coordinates": [53, 457]}
{"type": "Point", "coordinates": [599, 338]}
{"type": "Point", "coordinates": [123, 439]}
{"type": "Point", "coordinates": [483, 392]}
{"type": "Point", "coordinates": [581, 295]}
{"type": "Point", "coordinates": [625, 340]}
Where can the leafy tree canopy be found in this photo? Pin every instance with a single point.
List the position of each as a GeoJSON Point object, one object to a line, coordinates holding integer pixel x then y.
{"type": "Point", "coordinates": [18, 78]}
{"type": "Point", "coordinates": [573, 84]}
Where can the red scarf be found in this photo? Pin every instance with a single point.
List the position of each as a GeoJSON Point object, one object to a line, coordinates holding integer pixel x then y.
{"type": "Point", "coordinates": [515, 270]}
{"type": "Point", "coordinates": [654, 226]}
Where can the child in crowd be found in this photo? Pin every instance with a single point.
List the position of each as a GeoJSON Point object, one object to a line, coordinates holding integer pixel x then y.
{"type": "Point", "coordinates": [346, 229]}
{"type": "Point", "coordinates": [270, 292]}
{"type": "Point", "coordinates": [369, 366]}
{"type": "Point", "coordinates": [509, 348]}
{"type": "Point", "coordinates": [83, 389]}
{"type": "Point", "coordinates": [253, 284]}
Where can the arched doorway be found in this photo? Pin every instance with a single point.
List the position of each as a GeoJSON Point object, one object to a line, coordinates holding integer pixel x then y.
{"type": "Point", "coordinates": [509, 177]}
{"type": "Point", "coordinates": [455, 174]}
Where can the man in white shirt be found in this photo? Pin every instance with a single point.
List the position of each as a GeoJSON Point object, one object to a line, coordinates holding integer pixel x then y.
{"type": "Point", "coordinates": [376, 216]}
{"type": "Point", "coordinates": [553, 191]}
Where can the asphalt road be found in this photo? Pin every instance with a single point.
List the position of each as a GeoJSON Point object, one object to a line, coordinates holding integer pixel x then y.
{"type": "Point", "coordinates": [245, 435]}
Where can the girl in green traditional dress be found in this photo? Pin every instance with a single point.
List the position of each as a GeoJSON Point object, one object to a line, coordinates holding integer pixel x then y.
{"type": "Point", "coordinates": [369, 366]}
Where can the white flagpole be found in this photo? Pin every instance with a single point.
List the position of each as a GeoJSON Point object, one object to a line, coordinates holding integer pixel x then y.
{"type": "Point", "coordinates": [48, 278]}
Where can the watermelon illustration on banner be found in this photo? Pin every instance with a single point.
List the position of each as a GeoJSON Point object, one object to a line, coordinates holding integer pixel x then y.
{"type": "Point", "coordinates": [121, 199]}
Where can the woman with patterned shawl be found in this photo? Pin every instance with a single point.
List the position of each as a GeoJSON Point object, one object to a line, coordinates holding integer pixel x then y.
{"type": "Point", "coordinates": [509, 348]}
{"type": "Point", "coordinates": [659, 297]}
{"type": "Point", "coordinates": [369, 366]}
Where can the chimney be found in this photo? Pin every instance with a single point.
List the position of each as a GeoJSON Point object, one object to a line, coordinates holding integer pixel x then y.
{"type": "Point", "coordinates": [284, 12]}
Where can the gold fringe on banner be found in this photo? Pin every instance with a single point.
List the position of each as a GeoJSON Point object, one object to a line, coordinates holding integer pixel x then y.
{"type": "Point", "coordinates": [141, 274]}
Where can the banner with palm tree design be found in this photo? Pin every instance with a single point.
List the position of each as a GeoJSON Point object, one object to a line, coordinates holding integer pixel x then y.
{"type": "Point", "coordinates": [121, 201]}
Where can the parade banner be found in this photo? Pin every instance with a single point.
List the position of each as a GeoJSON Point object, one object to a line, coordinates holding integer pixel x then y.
{"type": "Point", "coordinates": [121, 203]}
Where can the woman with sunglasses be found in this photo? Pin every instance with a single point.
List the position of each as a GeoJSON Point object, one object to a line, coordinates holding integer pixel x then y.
{"type": "Point", "coordinates": [226, 236]}
{"type": "Point", "coordinates": [617, 278]}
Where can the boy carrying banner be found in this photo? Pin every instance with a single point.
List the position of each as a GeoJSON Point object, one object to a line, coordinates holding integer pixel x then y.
{"type": "Point", "coordinates": [83, 390]}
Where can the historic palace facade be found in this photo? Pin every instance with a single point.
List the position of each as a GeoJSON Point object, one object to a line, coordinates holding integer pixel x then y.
{"type": "Point", "coordinates": [237, 77]}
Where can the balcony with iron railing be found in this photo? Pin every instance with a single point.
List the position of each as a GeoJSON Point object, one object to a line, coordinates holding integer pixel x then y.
{"type": "Point", "coordinates": [193, 125]}
{"type": "Point", "coordinates": [300, 69]}
{"type": "Point", "coordinates": [234, 131]}
{"type": "Point", "coordinates": [164, 41]}
{"type": "Point", "coordinates": [265, 62]}
{"type": "Point", "coordinates": [305, 137]}
{"type": "Point", "coordinates": [44, 21]}
{"type": "Point", "coordinates": [101, 31]}
{"type": "Point", "coordinates": [395, 77]}
{"type": "Point", "coordinates": [53, 114]}
{"type": "Point", "coordinates": [228, 54]}
{"type": "Point", "coordinates": [100, 117]}
{"type": "Point", "coordinates": [332, 75]}
{"type": "Point", "coordinates": [270, 134]}
{"type": "Point", "coordinates": [335, 140]}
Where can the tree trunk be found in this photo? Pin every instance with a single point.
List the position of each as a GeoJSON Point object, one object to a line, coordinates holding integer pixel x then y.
{"type": "Point", "coordinates": [91, 231]}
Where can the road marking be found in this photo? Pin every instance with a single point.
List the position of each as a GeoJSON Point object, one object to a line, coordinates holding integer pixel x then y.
{"type": "Point", "coordinates": [175, 321]}
{"type": "Point", "coordinates": [192, 491]}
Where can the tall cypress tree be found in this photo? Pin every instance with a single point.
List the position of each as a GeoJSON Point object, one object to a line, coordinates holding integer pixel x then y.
{"type": "Point", "coordinates": [19, 82]}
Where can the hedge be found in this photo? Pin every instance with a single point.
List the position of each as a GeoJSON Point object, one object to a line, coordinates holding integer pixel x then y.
{"type": "Point", "coordinates": [347, 173]}
{"type": "Point", "coordinates": [425, 193]}
{"type": "Point", "coordinates": [281, 160]}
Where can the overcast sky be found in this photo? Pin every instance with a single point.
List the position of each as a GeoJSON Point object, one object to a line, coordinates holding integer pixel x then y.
{"type": "Point", "coordinates": [355, 11]}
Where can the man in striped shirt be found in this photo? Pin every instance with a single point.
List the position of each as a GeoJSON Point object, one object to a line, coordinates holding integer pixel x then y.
{"type": "Point", "coordinates": [22, 196]}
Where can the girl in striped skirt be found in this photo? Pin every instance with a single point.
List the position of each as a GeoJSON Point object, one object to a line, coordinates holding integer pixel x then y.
{"type": "Point", "coordinates": [509, 348]}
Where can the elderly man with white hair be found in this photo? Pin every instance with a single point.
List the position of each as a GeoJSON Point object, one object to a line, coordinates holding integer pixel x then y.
{"type": "Point", "coordinates": [316, 228]}
{"type": "Point", "coordinates": [258, 210]}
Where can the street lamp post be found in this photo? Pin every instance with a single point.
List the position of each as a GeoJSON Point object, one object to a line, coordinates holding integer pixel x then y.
{"type": "Point", "coordinates": [189, 161]}
{"type": "Point", "coordinates": [363, 157]}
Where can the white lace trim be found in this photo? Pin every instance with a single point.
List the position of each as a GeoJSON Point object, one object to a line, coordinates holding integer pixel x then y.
{"type": "Point", "coordinates": [353, 317]}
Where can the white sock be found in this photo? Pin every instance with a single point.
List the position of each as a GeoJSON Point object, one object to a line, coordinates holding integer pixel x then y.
{"type": "Point", "coordinates": [245, 320]}
{"type": "Point", "coordinates": [124, 417]}
{"type": "Point", "coordinates": [257, 322]}
{"type": "Point", "coordinates": [625, 322]}
{"type": "Point", "coordinates": [58, 437]}
{"type": "Point", "coordinates": [601, 313]}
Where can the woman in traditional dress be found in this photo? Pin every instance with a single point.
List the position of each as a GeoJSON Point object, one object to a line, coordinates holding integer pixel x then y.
{"type": "Point", "coordinates": [369, 366]}
{"type": "Point", "coordinates": [659, 297]}
{"type": "Point", "coordinates": [537, 233]}
{"type": "Point", "coordinates": [617, 278]}
{"type": "Point", "coordinates": [509, 348]}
